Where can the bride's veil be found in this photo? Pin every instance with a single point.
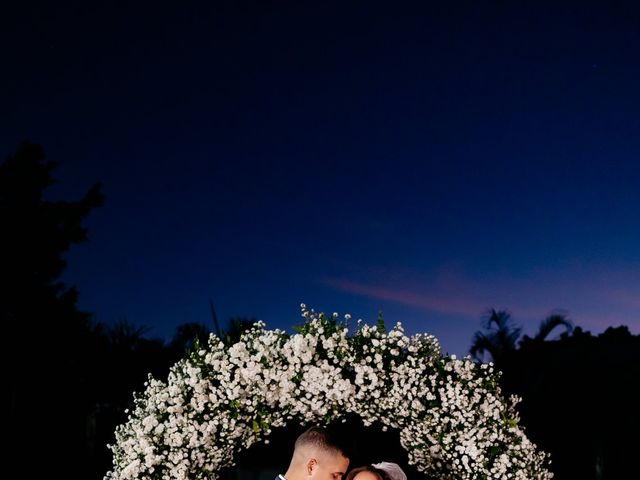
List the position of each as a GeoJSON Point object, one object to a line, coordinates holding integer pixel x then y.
{"type": "Point", "coordinates": [393, 470]}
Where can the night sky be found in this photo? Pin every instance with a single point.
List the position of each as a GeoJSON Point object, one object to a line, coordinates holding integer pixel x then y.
{"type": "Point", "coordinates": [427, 160]}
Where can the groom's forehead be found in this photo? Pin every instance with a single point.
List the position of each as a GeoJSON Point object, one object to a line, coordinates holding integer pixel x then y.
{"type": "Point", "coordinates": [326, 455]}
{"type": "Point", "coordinates": [330, 454]}
{"type": "Point", "coordinates": [339, 462]}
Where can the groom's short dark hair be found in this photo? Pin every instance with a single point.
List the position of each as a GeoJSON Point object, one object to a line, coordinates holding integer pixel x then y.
{"type": "Point", "coordinates": [323, 439]}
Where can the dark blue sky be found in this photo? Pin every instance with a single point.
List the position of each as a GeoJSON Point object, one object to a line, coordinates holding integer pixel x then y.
{"type": "Point", "coordinates": [427, 161]}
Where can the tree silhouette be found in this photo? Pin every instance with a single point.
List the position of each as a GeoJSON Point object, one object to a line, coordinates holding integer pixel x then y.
{"type": "Point", "coordinates": [548, 325]}
{"type": "Point", "coordinates": [579, 400]}
{"type": "Point", "coordinates": [499, 339]}
{"type": "Point", "coordinates": [45, 334]}
{"type": "Point", "coordinates": [125, 335]}
{"type": "Point", "coordinates": [34, 304]}
{"type": "Point", "coordinates": [579, 395]}
{"type": "Point", "coordinates": [186, 336]}
{"type": "Point", "coordinates": [36, 232]}
{"type": "Point", "coordinates": [237, 326]}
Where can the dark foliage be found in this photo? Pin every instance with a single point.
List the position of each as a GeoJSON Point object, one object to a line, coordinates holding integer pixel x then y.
{"type": "Point", "coordinates": [580, 401]}
{"type": "Point", "coordinates": [47, 340]}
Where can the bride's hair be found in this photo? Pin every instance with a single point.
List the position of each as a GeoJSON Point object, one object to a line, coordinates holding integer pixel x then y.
{"type": "Point", "coordinates": [381, 474]}
{"type": "Point", "coordinates": [383, 470]}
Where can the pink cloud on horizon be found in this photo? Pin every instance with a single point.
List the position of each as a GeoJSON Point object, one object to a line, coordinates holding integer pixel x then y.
{"type": "Point", "coordinates": [592, 300]}
{"type": "Point", "coordinates": [415, 299]}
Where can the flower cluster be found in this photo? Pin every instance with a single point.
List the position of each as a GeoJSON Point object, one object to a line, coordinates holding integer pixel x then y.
{"type": "Point", "coordinates": [450, 413]}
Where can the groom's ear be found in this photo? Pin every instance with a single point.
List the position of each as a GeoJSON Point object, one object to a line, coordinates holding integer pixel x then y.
{"type": "Point", "coordinates": [311, 465]}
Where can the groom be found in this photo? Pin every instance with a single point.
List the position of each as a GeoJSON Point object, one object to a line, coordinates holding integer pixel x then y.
{"type": "Point", "coordinates": [317, 455]}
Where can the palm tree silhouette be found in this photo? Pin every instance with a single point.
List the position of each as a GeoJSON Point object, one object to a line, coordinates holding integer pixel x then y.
{"type": "Point", "coordinates": [556, 319]}
{"type": "Point", "coordinates": [500, 337]}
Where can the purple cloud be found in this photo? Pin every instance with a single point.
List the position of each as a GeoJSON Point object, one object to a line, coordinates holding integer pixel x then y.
{"type": "Point", "coordinates": [593, 298]}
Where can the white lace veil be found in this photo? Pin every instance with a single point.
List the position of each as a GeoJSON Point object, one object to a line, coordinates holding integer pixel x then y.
{"type": "Point", "coordinates": [393, 470]}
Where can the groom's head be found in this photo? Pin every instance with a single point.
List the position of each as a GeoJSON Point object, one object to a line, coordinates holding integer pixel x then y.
{"type": "Point", "coordinates": [318, 454]}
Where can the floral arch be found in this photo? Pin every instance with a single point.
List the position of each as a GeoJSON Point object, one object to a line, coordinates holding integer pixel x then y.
{"type": "Point", "coordinates": [219, 400]}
